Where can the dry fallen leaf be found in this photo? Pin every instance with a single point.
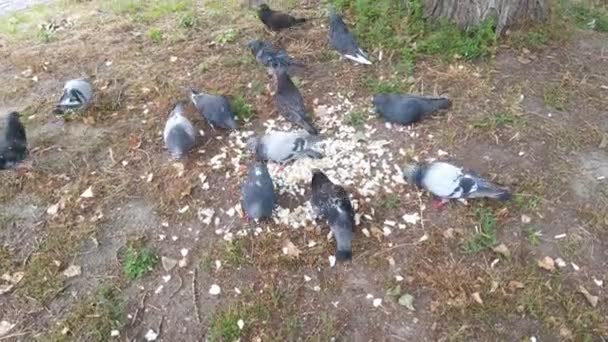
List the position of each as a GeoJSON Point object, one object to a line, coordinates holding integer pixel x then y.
{"type": "Point", "coordinates": [377, 233]}
{"type": "Point", "coordinates": [407, 300]}
{"type": "Point", "coordinates": [590, 298]}
{"type": "Point", "coordinates": [290, 249]}
{"type": "Point", "coordinates": [515, 285]}
{"type": "Point", "coordinates": [547, 263]}
{"type": "Point", "coordinates": [168, 263]}
{"type": "Point", "coordinates": [503, 250]}
{"type": "Point", "coordinates": [477, 298]}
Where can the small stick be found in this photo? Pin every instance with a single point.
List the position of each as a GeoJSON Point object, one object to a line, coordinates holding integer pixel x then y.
{"type": "Point", "coordinates": [421, 216]}
{"type": "Point", "coordinates": [160, 325]}
{"type": "Point", "coordinates": [195, 296]}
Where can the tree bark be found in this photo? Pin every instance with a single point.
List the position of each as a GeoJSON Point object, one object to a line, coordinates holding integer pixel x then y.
{"type": "Point", "coordinates": [471, 13]}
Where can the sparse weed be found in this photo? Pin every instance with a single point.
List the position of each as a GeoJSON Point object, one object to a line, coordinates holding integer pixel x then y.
{"type": "Point", "coordinates": [377, 86]}
{"type": "Point", "coordinates": [138, 261]}
{"type": "Point", "coordinates": [448, 41]}
{"type": "Point", "coordinates": [156, 35]}
{"type": "Point", "coordinates": [235, 254]}
{"type": "Point", "coordinates": [391, 201]}
{"type": "Point", "coordinates": [188, 20]}
{"type": "Point", "coordinates": [225, 325]}
{"type": "Point", "coordinates": [529, 39]}
{"type": "Point", "coordinates": [485, 237]}
{"type": "Point", "coordinates": [555, 97]}
{"type": "Point", "coordinates": [527, 201]}
{"type": "Point", "coordinates": [226, 36]}
{"type": "Point", "coordinates": [241, 108]}
{"type": "Point", "coordinates": [355, 119]}
{"type": "Point", "coordinates": [533, 236]}
{"type": "Point", "coordinates": [497, 120]}
{"type": "Point", "coordinates": [589, 18]}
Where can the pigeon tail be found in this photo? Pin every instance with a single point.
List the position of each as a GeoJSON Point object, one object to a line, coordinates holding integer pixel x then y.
{"type": "Point", "coordinates": [344, 255]}
{"type": "Point", "coordinates": [309, 127]}
{"type": "Point", "coordinates": [300, 20]}
{"type": "Point", "coordinates": [487, 189]}
{"type": "Point", "coordinates": [359, 58]}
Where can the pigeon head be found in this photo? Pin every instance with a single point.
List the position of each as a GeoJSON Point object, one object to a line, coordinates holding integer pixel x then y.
{"type": "Point", "coordinates": [379, 99]}
{"type": "Point", "coordinates": [333, 14]}
{"type": "Point", "coordinates": [263, 8]}
{"type": "Point", "coordinates": [410, 172]}
{"type": "Point", "coordinates": [255, 45]}
{"type": "Point", "coordinates": [178, 108]}
{"type": "Point", "coordinates": [14, 116]}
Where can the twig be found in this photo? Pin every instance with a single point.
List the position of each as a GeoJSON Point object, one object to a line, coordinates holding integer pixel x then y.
{"type": "Point", "coordinates": [160, 325]}
{"type": "Point", "coordinates": [195, 296]}
{"type": "Point", "coordinates": [181, 282]}
{"type": "Point", "coordinates": [14, 335]}
{"type": "Point", "coordinates": [421, 215]}
{"type": "Point", "coordinates": [140, 306]}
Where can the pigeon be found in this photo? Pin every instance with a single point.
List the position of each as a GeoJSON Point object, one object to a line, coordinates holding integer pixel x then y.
{"type": "Point", "coordinates": [270, 57]}
{"type": "Point", "coordinates": [343, 41]}
{"type": "Point", "coordinates": [290, 103]}
{"type": "Point", "coordinates": [275, 20]}
{"type": "Point", "coordinates": [406, 109]}
{"type": "Point", "coordinates": [13, 142]}
{"type": "Point", "coordinates": [447, 181]}
{"type": "Point", "coordinates": [282, 147]}
{"type": "Point", "coordinates": [179, 134]}
{"type": "Point", "coordinates": [331, 202]}
{"type": "Point", "coordinates": [77, 94]}
{"type": "Point", "coordinates": [258, 192]}
{"type": "Point", "coordinates": [215, 108]}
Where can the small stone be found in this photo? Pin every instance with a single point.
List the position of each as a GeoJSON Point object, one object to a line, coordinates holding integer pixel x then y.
{"type": "Point", "coordinates": [377, 302]}
{"type": "Point", "coordinates": [173, 59]}
{"type": "Point", "coordinates": [332, 261]}
{"type": "Point", "coordinates": [398, 278]}
{"type": "Point", "coordinates": [53, 209]}
{"type": "Point", "coordinates": [307, 278]}
{"type": "Point", "coordinates": [526, 219]}
{"type": "Point", "coordinates": [151, 335]}
{"type": "Point", "coordinates": [599, 283]}
{"type": "Point", "coordinates": [167, 278]}
{"type": "Point", "coordinates": [114, 333]}
{"type": "Point", "coordinates": [547, 263]}
{"type": "Point", "coordinates": [168, 263]}
{"type": "Point", "coordinates": [183, 262]}
{"type": "Point", "coordinates": [241, 324]}
{"type": "Point", "coordinates": [88, 193]}
{"type": "Point", "coordinates": [575, 266]}
{"type": "Point", "coordinates": [215, 290]}
{"type": "Point", "coordinates": [184, 252]}
{"type": "Point", "coordinates": [72, 271]}
{"type": "Point", "coordinates": [317, 288]}
{"type": "Point", "coordinates": [560, 262]}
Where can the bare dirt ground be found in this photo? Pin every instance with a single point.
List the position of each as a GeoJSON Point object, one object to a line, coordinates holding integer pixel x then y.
{"type": "Point", "coordinates": [535, 120]}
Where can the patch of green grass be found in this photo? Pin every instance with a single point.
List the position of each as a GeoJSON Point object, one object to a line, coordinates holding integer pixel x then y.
{"type": "Point", "coordinates": [188, 20]}
{"type": "Point", "coordinates": [156, 35]}
{"type": "Point", "coordinates": [485, 237]}
{"type": "Point", "coordinates": [533, 236]}
{"type": "Point", "coordinates": [527, 201]}
{"type": "Point", "coordinates": [25, 24]}
{"type": "Point", "coordinates": [391, 201]}
{"type": "Point", "coordinates": [529, 39]}
{"type": "Point", "coordinates": [555, 97]}
{"type": "Point", "coordinates": [138, 261]}
{"type": "Point", "coordinates": [93, 319]}
{"type": "Point", "coordinates": [571, 246]}
{"type": "Point", "coordinates": [355, 119]}
{"type": "Point", "coordinates": [226, 36]}
{"type": "Point", "coordinates": [235, 253]}
{"type": "Point", "coordinates": [589, 18]}
{"type": "Point", "coordinates": [448, 41]}
{"type": "Point", "coordinates": [242, 109]}
{"type": "Point", "coordinates": [327, 55]}
{"type": "Point", "coordinates": [497, 120]}
{"type": "Point", "coordinates": [377, 86]}
{"type": "Point", "coordinates": [150, 11]}
{"type": "Point", "coordinates": [224, 325]}
{"type": "Point", "coordinates": [6, 261]}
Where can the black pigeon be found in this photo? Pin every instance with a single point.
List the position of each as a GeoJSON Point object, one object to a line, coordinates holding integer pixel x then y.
{"type": "Point", "coordinates": [270, 57]}
{"type": "Point", "coordinates": [331, 202]}
{"type": "Point", "coordinates": [406, 109]}
{"type": "Point", "coordinates": [275, 20]}
{"type": "Point", "coordinates": [343, 41]}
{"type": "Point", "coordinates": [290, 103]}
{"type": "Point", "coordinates": [447, 181]}
{"type": "Point", "coordinates": [215, 108]}
{"type": "Point", "coordinates": [13, 142]}
{"type": "Point", "coordinates": [258, 192]}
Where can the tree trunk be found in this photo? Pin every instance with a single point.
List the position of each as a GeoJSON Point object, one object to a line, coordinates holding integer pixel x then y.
{"type": "Point", "coordinates": [470, 13]}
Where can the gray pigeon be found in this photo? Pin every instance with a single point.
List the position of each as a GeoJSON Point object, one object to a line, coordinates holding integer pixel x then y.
{"type": "Point", "coordinates": [77, 94]}
{"type": "Point", "coordinates": [405, 108]}
{"type": "Point", "coordinates": [215, 108]}
{"type": "Point", "coordinates": [270, 57]}
{"type": "Point", "coordinates": [343, 41]}
{"type": "Point", "coordinates": [13, 142]}
{"type": "Point", "coordinates": [331, 202]}
{"type": "Point", "coordinates": [282, 147]}
{"type": "Point", "coordinates": [447, 181]}
{"type": "Point", "coordinates": [258, 192]}
{"type": "Point", "coordinates": [179, 134]}
{"type": "Point", "coordinates": [290, 103]}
